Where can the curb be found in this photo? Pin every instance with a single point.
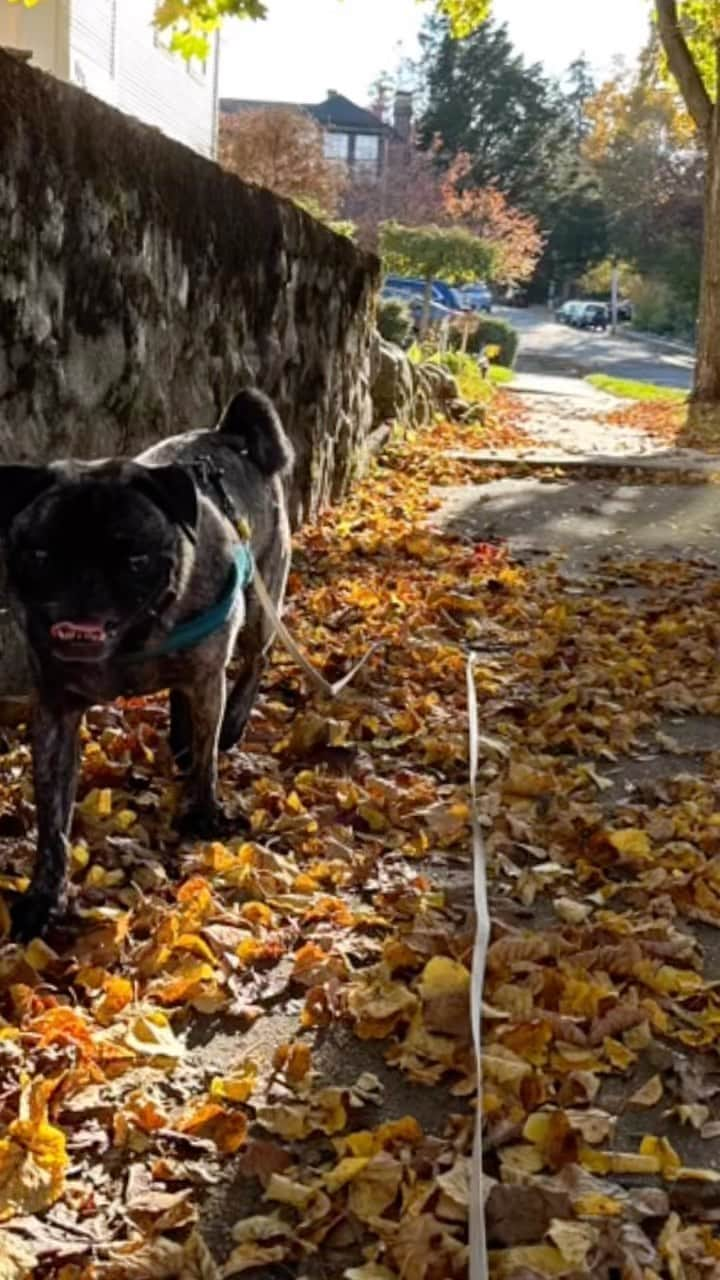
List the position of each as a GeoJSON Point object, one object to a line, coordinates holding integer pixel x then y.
{"type": "Point", "coordinates": [653, 340]}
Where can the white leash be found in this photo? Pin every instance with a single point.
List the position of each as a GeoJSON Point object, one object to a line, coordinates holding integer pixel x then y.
{"type": "Point", "coordinates": [478, 1244]}
{"type": "Point", "coordinates": [322, 685]}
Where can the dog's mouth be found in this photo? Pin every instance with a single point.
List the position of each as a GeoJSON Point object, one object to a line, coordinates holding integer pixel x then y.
{"type": "Point", "coordinates": [82, 640]}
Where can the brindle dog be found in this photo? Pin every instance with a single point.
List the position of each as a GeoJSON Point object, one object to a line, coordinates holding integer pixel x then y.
{"type": "Point", "coordinates": [117, 569]}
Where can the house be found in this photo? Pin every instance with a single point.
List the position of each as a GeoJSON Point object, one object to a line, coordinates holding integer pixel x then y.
{"type": "Point", "coordinates": [352, 135]}
{"type": "Point", "coordinates": [111, 48]}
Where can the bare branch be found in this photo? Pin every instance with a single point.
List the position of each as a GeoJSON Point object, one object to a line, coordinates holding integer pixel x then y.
{"type": "Point", "coordinates": [683, 66]}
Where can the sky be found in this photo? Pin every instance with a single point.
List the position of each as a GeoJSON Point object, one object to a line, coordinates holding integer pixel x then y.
{"type": "Point", "coordinates": [306, 47]}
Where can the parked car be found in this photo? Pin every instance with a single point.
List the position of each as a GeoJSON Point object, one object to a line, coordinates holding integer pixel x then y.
{"type": "Point", "coordinates": [625, 309]}
{"type": "Point", "coordinates": [516, 297]}
{"type": "Point", "coordinates": [567, 311]}
{"type": "Point", "coordinates": [590, 315]}
{"type": "Point", "coordinates": [415, 304]}
{"type": "Point", "coordinates": [475, 297]}
{"type": "Point", "coordinates": [438, 312]}
{"type": "Point", "coordinates": [410, 286]}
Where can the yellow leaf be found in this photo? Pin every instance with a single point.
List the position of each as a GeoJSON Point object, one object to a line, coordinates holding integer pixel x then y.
{"type": "Point", "coordinates": [375, 1187]}
{"type": "Point", "coordinates": [117, 993]}
{"type": "Point", "coordinates": [540, 1259]}
{"type": "Point", "coordinates": [236, 1088]}
{"type": "Point", "coordinates": [344, 1172]}
{"type": "Point", "coordinates": [620, 1057]}
{"type": "Point", "coordinates": [151, 1035]}
{"type": "Point", "coordinates": [104, 803]}
{"type": "Point", "coordinates": [33, 1158]}
{"type": "Point", "coordinates": [631, 843]}
{"type": "Point", "coordinates": [668, 981]}
{"type": "Point", "coordinates": [574, 1240]}
{"type": "Point", "coordinates": [39, 955]}
{"type": "Point", "coordinates": [660, 1149]}
{"type": "Point", "coordinates": [597, 1206]}
{"type": "Point", "coordinates": [79, 857]}
{"type": "Point", "coordinates": [649, 1095]}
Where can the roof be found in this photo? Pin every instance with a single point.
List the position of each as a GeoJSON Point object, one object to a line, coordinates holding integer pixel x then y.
{"type": "Point", "coordinates": [336, 112]}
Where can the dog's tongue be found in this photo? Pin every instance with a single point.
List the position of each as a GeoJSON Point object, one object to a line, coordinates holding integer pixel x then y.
{"type": "Point", "coordinates": [86, 632]}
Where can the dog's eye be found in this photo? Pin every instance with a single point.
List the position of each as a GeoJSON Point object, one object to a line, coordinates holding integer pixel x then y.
{"type": "Point", "coordinates": [38, 556]}
{"type": "Point", "coordinates": [138, 563]}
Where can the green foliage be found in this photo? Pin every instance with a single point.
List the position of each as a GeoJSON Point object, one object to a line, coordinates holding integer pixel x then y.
{"type": "Point", "coordinates": [658, 309]}
{"type": "Point", "coordinates": [700, 23]}
{"type": "Point", "coordinates": [192, 22]}
{"type": "Point", "coordinates": [500, 376]}
{"type": "Point", "coordinates": [472, 384]}
{"type": "Point", "coordinates": [626, 389]}
{"type": "Point", "coordinates": [596, 282]}
{"type": "Point", "coordinates": [394, 321]}
{"type": "Point", "coordinates": [451, 254]}
{"type": "Point", "coordinates": [490, 332]}
{"type": "Point", "coordinates": [465, 16]}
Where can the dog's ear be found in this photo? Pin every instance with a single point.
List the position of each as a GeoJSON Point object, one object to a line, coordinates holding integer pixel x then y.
{"type": "Point", "coordinates": [19, 486]}
{"type": "Point", "coordinates": [173, 490]}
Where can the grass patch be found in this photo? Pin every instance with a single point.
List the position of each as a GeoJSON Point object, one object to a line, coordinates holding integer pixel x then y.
{"type": "Point", "coordinates": [626, 389]}
{"type": "Point", "coordinates": [500, 376]}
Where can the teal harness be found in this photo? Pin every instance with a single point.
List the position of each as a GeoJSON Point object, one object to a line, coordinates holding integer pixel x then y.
{"type": "Point", "coordinates": [187, 634]}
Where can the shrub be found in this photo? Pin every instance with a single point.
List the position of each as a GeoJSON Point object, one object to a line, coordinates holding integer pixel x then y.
{"type": "Point", "coordinates": [490, 333]}
{"type": "Point", "coordinates": [465, 369]}
{"type": "Point", "coordinates": [394, 321]}
{"type": "Point", "coordinates": [658, 309]}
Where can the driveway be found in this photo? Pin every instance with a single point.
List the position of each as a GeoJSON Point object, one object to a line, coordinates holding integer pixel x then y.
{"type": "Point", "coordinates": [548, 347]}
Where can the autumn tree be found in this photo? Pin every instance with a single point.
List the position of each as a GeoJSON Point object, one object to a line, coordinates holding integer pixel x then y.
{"type": "Point", "coordinates": [643, 148]}
{"type": "Point", "coordinates": [515, 236]}
{"type": "Point", "coordinates": [523, 132]}
{"type": "Point", "coordinates": [450, 253]}
{"type": "Point", "coordinates": [282, 148]}
{"type": "Point", "coordinates": [690, 34]}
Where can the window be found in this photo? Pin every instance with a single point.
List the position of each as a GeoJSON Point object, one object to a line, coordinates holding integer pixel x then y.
{"type": "Point", "coordinates": [336, 146]}
{"type": "Point", "coordinates": [366, 148]}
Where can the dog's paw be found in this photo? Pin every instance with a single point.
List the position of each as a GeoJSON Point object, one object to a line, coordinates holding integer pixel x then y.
{"type": "Point", "coordinates": [210, 824]}
{"type": "Point", "coordinates": [32, 914]}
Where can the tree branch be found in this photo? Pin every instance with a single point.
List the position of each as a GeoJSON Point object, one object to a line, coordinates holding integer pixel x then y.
{"type": "Point", "coordinates": [683, 66]}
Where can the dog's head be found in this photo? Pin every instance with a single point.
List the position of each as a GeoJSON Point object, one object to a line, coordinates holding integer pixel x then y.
{"type": "Point", "coordinates": [91, 548]}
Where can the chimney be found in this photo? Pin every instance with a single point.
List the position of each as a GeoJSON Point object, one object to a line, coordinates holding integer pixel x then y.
{"type": "Point", "coordinates": [332, 93]}
{"type": "Point", "coordinates": [403, 114]}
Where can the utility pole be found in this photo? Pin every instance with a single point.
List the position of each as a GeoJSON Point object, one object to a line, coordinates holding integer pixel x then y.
{"type": "Point", "coordinates": [614, 290]}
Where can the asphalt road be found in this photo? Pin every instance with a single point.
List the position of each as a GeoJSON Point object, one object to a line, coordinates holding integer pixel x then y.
{"type": "Point", "coordinates": [548, 347]}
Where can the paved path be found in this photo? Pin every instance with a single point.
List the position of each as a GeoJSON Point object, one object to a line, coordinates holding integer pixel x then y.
{"type": "Point", "coordinates": [548, 347]}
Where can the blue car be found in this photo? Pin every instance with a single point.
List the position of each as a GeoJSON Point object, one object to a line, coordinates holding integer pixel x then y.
{"type": "Point", "coordinates": [415, 304]}
{"type": "Point", "coordinates": [409, 285]}
{"type": "Point", "coordinates": [475, 297]}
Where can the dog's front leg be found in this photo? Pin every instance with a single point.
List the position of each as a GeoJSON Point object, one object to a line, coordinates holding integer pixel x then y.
{"type": "Point", "coordinates": [203, 815]}
{"type": "Point", "coordinates": [55, 768]}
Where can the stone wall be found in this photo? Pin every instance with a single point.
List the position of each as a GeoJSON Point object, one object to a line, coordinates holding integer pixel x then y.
{"type": "Point", "coordinates": [140, 286]}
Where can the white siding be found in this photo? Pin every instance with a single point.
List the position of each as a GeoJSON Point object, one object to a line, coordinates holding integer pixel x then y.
{"type": "Point", "coordinates": [42, 30]}
{"type": "Point", "coordinates": [148, 81]}
{"type": "Point", "coordinates": [92, 47]}
{"type": "Point", "coordinates": [110, 48]}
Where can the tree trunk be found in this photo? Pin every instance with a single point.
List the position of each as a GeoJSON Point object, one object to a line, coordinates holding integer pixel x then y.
{"type": "Point", "coordinates": [425, 318]}
{"type": "Point", "coordinates": [705, 400]}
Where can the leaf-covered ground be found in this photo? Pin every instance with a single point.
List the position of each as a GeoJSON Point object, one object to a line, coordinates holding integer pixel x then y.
{"type": "Point", "coordinates": [253, 1058]}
